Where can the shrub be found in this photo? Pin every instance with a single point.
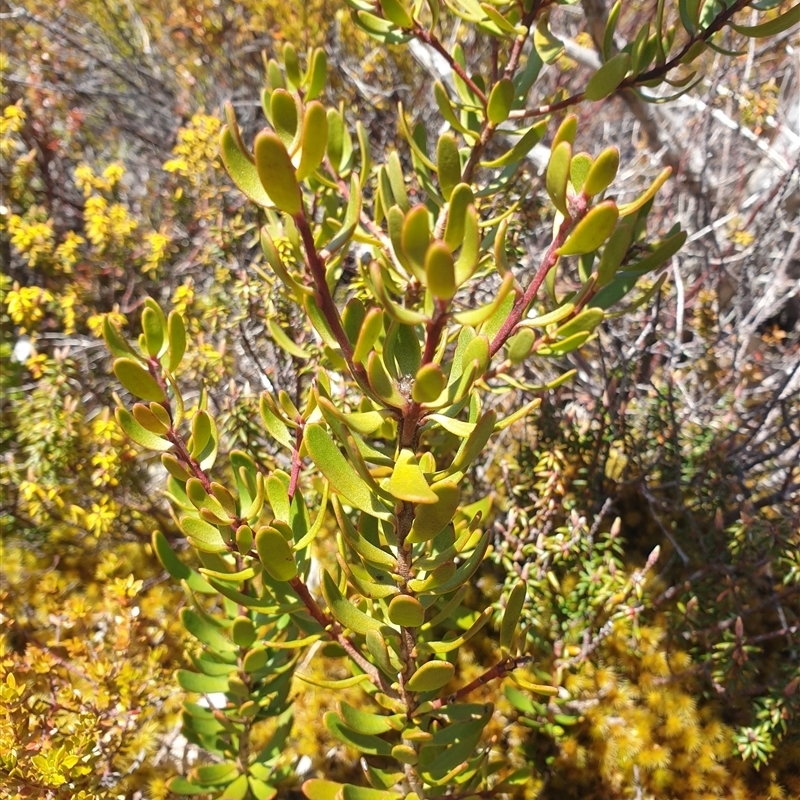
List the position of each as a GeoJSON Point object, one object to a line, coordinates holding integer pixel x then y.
{"type": "Point", "coordinates": [399, 300]}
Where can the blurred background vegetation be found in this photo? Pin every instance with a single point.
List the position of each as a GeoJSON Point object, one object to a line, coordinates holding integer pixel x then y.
{"type": "Point", "coordinates": [682, 667]}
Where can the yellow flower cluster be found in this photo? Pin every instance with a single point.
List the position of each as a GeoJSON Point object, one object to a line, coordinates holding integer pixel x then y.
{"type": "Point", "coordinates": [32, 236]}
{"type": "Point", "coordinates": [11, 122]}
{"type": "Point", "coordinates": [107, 224]}
{"type": "Point", "coordinates": [66, 254]}
{"type": "Point", "coordinates": [158, 247]}
{"type": "Point", "coordinates": [196, 149]}
{"type": "Point", "coordinates": [87, 181]}
{"type": "Point", "coordinates": [115, 317]}
{"type": "Point", "coordinates": [26, 305]}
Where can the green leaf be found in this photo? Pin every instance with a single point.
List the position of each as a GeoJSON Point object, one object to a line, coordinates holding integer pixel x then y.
{"type": "Point", "coordinates": [660, 255]}
{"type": "Point", "coordinates": [314, 140]}
{"type": "Point", "coordinates": [592, 230]}
{"type": "Point", "coordinates": [460, 200]}
{"type": "Point", "coordinates": [243, 632]}
{"type": "Point", "coordinates": [520, 150]}
{"type": "Point", "coordinates": [202, 536]}
{"type": "Point", "coordinates": [520, 345]}
{"type": "Point", "coordinates": [606, 80]}
{"type": "Point", "coordinates": [363, 722]}
{"type": "Point", "coordinates": [381, 382]}
{"type": "Point", "coordinates": [275, 426]}
{"type": "Point", "coordinates": [396, 13]}
{"type": "Point", "coordinates": [565, 346]}
{"type": "Point", "coordinates": [205, 439]}
{"type": "Point", "coordinates": [566, 132]}
{"type": "Point", "coordinates": [368, 745]}
{"type": "Point", "coordinates": [772, 27]}
{"type": "Point", "coordinates": [629, 208]}
{"type": "Point", "coordinates": [285, 117]}
{"type": "Point", "coordinates": [281, 338]}
{"type": "Point", "coordinates": [154, 333]}
{"type": "Point", "coordinates": [176, 334]}
{"type": "Point", "coordinates": [276, 173]}
{"type": "Point", "coordinates": [203, 684]}
{"type": "Point", "coordinates": [317, 74]}
{"type": "Point", "coordinates": [500, 101]}
{"type": "Point", "coordinates": [181, 786]}
{"type": "Point", "coordinates": [114, 340]}
{"type": "Point", "coordinates": [429, 383]}
{"type": "Point", "coordinates": [474, 317]}
{"type": "Point", "coordinates": [448, 164]}
{"type": "Point", "coordinates": [548, 46]}
{"type": "Point", "coordinates": [260, 789]}
{"type": "Point", "coordinates": [511, 614]}
{"type": "Point", "coordinates": [242, 170]}
{"type": "Point", "coordinates": [394, 172]}
{"type": "Point", "coordinates": [205, 632]}
{"type": "Point", "coordinates": [432, 519]}
{"type": "Point", "coordinates": [431, 676]}
{"type": "Point", "coordinates": [343, 610]}
{"type": "Point", "coordinates": [502, 25]}
{"type": "Point", "coordinates": [292, 65]}
{"type": "Point", "coordinates": [371, 329]}
{"type": "Point", "coordinates": [376, 645]}
{"type": "Point", "coordinates": [467, 569]}
{"type": "Point", "coordinates": [613, 254]}
{"type": "Point", "coordinates": [176, 568]}
{"type": "Point", "coordinates": [608, 33]}
{"type": "Point", "coordinates": [467, 261]}
{"type": "Point", "coordinates": [557, 175]}
{"type": "Point", "coordinates": [342, 476]}
{"type": "Point", "coordinates": [139, 434]}
{"type": "Point", "coordinates": [448, 645]}
{"type": "Point", "coordinates": [406, 611]}
{"type": "Point", "coordinates": [368, 551]}
{"type": "Point", "coordinates": [416, 238]}
{"type": "Point", "coordinates": [586, 320]}
{"type": "Point", "coordinates": [408, 483]}
{"type": "Point", "coordinates": [275, 554]}
{"type": "Point", "coordinates": [439, 271]}
{"type": "Point", "coordinates": [475, 443]}
{"type": "Point", "coordinates": [138, 381]}
{"type": "Point", "coordinates": [405, 754]}
{"type": "Point", "coordinates": [602, 172]}
{"type": "Point", "coordinates": [350, 792]}
{"type": "Point", "coordinates": [449, 115]}
{"type": "Point", "coordinates": [318, 789]}
{"type": "Point", "coordinates": [578, 170]}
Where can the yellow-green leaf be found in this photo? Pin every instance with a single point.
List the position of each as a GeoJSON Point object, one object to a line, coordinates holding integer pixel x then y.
{"type": "Point", "coordinates": [314, 140]}
{"type": "Point", "coordinates": [276, 173]}
{"type": "Point", "coordinates": [431, 676]}
{"type": "Point", "coordinates": [448, 164]}
{"type": "Point", "coordinates": [275, 554]}
{"type": "Point", "coordinates": [408, 483]}
{"type": "Point", "coordinates": [592, 230]}
{"type": "Point", "coordinates": [343, 610]}
{"type": "Point", "coordinates": [429, 383]}
{"type": "Point", "coordinates": [242, 171]}
{"type": "Point", "coordinates": [340, 474]}
{"type": "Point", "coordinates": [439, 270]}
{"type": "Point", "coordinates": [602, 173]}
{"type": "Point", "coordinates": [500, 101]}
{"type": "Point", "coordinates": [137, 380]}
{"type": "Point", "coordinates": [432, 519]}
{"type": "Point", "coordinates": [558, 175]}
{"type": "Point", "coordinates": [608, 77]}
{"type": "Point", "coordinates": [406, 611]}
